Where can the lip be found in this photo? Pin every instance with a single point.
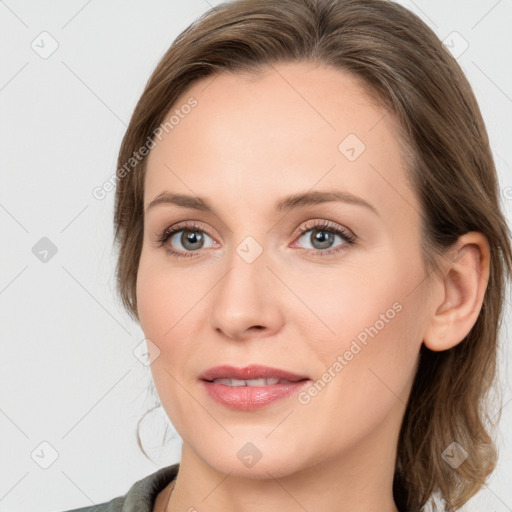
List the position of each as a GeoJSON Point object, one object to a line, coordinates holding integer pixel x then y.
{"type": "Point", "coordinates": [253, 371]}
{"type": "Point", "coordinates": [250, 398]}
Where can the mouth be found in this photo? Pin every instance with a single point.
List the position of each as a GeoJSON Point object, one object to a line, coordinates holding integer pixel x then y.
{"type": "Point", "coordinates": [252, 387]}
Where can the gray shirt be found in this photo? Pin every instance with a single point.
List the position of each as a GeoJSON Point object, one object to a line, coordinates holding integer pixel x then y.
{"type": "Point", "coordinates": [141, 496]}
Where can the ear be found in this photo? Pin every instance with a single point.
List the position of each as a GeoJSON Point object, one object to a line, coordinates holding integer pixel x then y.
{"type": "Point", "coordinates": [461, 289]}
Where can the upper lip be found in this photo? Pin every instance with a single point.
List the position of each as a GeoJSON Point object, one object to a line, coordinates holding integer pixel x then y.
{"type": "Point", "coordinates": [252, 371]}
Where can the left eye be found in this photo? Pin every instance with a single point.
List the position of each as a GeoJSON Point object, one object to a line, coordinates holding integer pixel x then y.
{"type": "Point", "coordinates": [324, 234]}
{"type": "Point", "coordinates": [323, 238]}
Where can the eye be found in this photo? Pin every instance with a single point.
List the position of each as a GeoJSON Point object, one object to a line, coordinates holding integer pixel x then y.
{"type": "Point", "coordinates": [191, 239]}
{"type": "Point", "coordinates": [323, 236]}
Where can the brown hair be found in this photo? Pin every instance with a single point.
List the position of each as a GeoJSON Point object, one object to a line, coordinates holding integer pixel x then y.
{"type": "Point", "coordinates": [406, 67]}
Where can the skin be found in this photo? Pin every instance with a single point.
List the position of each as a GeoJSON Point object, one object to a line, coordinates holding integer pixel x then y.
{"type": "Point", "coordinates": [249, 142]}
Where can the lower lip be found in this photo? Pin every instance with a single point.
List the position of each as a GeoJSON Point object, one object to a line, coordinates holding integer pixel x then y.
{"type": "Point", "coordinates": [250, 398]}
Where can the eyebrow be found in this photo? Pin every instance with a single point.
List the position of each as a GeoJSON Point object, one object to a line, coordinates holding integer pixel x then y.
{"type": "Point", "coordinates": [286, 204]}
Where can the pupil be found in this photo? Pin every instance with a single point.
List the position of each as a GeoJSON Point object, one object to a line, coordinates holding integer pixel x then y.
{"type": "Point", "coordinates": [323, 237]}
{"type": "Point", "coordinates": [191, 238]}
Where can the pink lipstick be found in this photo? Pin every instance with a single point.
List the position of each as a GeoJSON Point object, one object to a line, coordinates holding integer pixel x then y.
{"type": "Point", "coordinates": [252, 387]}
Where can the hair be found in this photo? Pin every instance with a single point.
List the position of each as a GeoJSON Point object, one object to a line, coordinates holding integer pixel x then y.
{"type": "Point", "coordinates": [406, 68]}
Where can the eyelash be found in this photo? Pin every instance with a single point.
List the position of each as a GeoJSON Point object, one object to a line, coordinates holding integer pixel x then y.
{"type": "Point", "coordinates": [327, 226]}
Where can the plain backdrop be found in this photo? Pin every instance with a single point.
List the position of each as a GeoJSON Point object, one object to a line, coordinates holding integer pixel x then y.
{"type": "Point", "coordinates": [72, 388]}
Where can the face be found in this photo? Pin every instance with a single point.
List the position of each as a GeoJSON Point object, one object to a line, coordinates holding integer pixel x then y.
{"type": "Point", "coordinates": [328, 290]}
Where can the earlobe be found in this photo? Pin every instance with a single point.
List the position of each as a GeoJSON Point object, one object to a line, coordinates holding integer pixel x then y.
{"type": "Point", "coordinates": [461, 291]}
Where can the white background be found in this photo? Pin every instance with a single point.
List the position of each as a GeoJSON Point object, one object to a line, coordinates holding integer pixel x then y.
{"type": "Point", "coordinates": [68, 375]}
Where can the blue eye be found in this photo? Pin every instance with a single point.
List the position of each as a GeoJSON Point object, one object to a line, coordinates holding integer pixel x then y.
{"type": "Point", "coordinates": [193, 234]}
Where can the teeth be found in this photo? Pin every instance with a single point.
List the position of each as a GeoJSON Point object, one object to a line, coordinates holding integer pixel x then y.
{"type": "Point", "coordinates": [251, 382]}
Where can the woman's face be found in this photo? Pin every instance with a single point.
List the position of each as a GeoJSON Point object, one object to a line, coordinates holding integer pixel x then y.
{"type": "Point", "coordinates": [343, 305]}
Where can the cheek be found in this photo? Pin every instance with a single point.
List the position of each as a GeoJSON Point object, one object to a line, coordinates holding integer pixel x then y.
{"type": "Point", "coordinates": [347, 300]}
{"type": "Point", "coordinates": [162, 314]}
{"type": "Point", "coordinates": [159, 297]}
{"type": "Point", "coordinates": [367, 370]}
{"type": "Point", "coordinates": [168, 312]}
{"type": "Point", "coordinates": [369, 316]}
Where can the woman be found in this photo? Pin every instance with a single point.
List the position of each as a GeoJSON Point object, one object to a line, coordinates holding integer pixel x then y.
{"type": "Point", "coordinates": [311, 240]}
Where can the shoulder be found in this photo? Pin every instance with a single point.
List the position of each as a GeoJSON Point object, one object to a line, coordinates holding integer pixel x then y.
{"type": "Point", "coordinates": [140, 497]}
{"type": "Point", "coordinates": [114, 505]}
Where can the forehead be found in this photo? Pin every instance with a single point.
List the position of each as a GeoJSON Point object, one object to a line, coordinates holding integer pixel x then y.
{"type": "Point", "coordinates": [292, 128]}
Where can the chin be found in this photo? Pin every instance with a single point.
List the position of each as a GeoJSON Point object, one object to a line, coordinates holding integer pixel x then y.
{"type": "Point", "coordinates": [245, 456]}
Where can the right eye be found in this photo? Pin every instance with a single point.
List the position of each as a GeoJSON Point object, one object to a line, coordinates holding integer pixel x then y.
{"type": "Point", "coordinates": [191, 238]}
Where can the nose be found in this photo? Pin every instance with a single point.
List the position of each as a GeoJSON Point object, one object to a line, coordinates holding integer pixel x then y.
{"type": "Point", "coordinates": [246, 301]}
